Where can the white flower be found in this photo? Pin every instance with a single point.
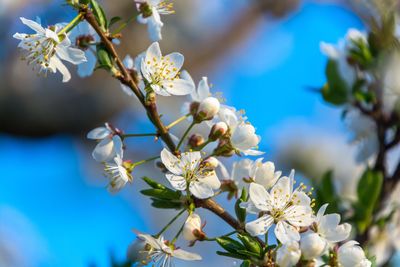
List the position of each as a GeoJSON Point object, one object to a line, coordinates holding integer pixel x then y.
{"type": "Point", "coordinates": [150, 11]}
{"type": "Point", "coordinates": [288, 255]}
{"type": "Point", "coordinates": [117, 173]}
{"type": "Point", "coordinates": [243, 137]}
{"type": "Point", "coordinates": [109, 146]}
{"type": "Point", "coordinates": [137, 252]}
{"type": "Point", "coordinates": [240, 172]}
{"type": "Point", "coordinates": [192, 228]}
{"type": "Point", "coordinates": [288, 209]}
{"type": "Point", "coordinates": [351, 254]}
{"type": "Point", "coordinates": [264, 173]}
{"type": "Point", "coordinates": [328, 227]}
{"type": "Point", "coordinates": [162, 254]}
{"type": "Point", "coordinates": [339, 53]}
{"type": "Point", "coordinates": [207, 109]}
{"type": "Point", "coordinates": [161, 73]}
{"type": "Point", "coordinates": [46, 48]}
{"type": "Point", "coordinates": [84, 36]}
{"type": "Point", "coordinates": [312, 245]}
{"type": "Point", "coordinates": [190, 171]}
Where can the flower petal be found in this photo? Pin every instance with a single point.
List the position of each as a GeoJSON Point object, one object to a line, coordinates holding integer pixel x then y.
{"type": "Point", "coordinates": [201, 190]}
{"type": "Point", "coordinates": [33, 25]}
{"type": "Point", "coordinates": [171, 162]}
{"type": "Point", "coordinates": [259, 226]}
{"type": "Point", "coordinates": [285, 232]}
{"type": "Point", "coordinates": [260, 197]}
{"type": "Point", "coordinates": [177, 182]}
{"type": "Point", "coordinates": [56, 62]}
{"type": "Point", "coordinates": [104, 151]}
{"type": "Point", "coordinates": [98, 133]}
{"type": "Point", "coordinates": [185, 255]}
{"type": "Point", "coordinates": [72, 55]}
{"type": "Point", "coordinates": [177, 87]}
{"type": "Point", "coordinates": [212, 180]}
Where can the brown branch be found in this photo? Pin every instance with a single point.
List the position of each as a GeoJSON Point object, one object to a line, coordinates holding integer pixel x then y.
{"type": "Point", "coordinates": [214, 207]}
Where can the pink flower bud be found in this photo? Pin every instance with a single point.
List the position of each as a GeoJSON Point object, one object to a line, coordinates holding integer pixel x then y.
{"type": "Point", "coordinates": [219, 129]}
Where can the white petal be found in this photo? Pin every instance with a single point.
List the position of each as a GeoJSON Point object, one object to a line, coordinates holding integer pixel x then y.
{"type": "Point", "coordinates": [177, 182]}
{"type": "Point", "coordinates": [33, 25]}
{"type": "Point", "coordinates": [176, 61]}
{"type": "Point", "coordinates": [118, 146]}
{"type": "Point", "coordinates": [153, 52]}
{"type": "Point", "coordinates": [260, 197]}
{"type": "Point", "coordinates": [212, 180]}
{"type": "Point", "coordinates": [98, 133]}
{"type": "Point", "coordinates": [85, 69]}
{"type": "Point", "coordinates": [201, 190]}
{"type": "Point", "coordinates": [171, 162]}
{"type": "Point", "coordinates": [203, 90]}
{"type": "Point", "coordinates": [286, 233]}
{"type": "Point", "coordinates": [72, 55]}
{"type": "Point", "coordinates": [177, 87]}
{"type": "Point", "coordinates": [54, 61]}
{"type": "Point", "coordinates": [259, 226]}
{"type": "Point", "coordinates": [185, 255]}
{"type": "Point", "coordinates": [104, 151]}
{"type": "Point", "coordinates": [321, 212]}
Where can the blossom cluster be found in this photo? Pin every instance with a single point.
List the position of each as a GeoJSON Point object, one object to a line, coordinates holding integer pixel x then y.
{"type": "Point", "coordinates": [194, 166]}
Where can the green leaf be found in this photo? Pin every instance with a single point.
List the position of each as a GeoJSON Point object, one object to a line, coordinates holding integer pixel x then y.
{"type": "Point", "coordinates": [104, 58]}
{"type": "Point", "coordinates": [153, 183]}
{"type": "Point", "coordinates": [336, 89]}
{"type": "Point", "coordinates": [250, 243]}
{"type": "Point", "coordinates": [114, 20]}
{"type": "Point", "coordinates": [368, 192]}
{"type": "Point", "coordinates": [99, 14]}
{"type": "Point", "coordinates": [248, 253]}
{"type": "Point", "coordinates": [245, 263]}
{"type": "Point", "coordinates": [232, 255]}
{"type": "Point", "coordinates": [166, 193]}
{"type": "Point", "coordinates": [164, 204]}
{"type": "Point", "coordinates": [325, 193]}
{"type": "Point", "coordinates": [241, 212]}
{"type": "Point", "coordinates": [229, 244]}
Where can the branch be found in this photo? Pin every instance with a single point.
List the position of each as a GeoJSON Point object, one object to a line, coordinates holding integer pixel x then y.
{"type": "Point", "coordinates": [126, 78]}
{"type": "Point", "coordinates": [214, 207]}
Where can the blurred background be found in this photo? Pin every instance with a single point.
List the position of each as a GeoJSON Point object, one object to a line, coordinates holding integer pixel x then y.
{"type": "Point", "coordinates": [263, 55]}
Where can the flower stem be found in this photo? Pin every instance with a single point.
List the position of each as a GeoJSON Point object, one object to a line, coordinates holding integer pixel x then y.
{"type": "Point", "coordinates": [185, 134]}
{"type": "Point", "coordinates": [178, 233]}
{"type": "Point", "coordinates": [71, 25]}
{"type": "Point", "coordinates": [172, 124]}
{"type": "Point", "coordinates": [145, 160]}
{"type": "Point", "coordinates": [170, 223]}
{"type": "Point", "coordinates": [139, 135]}
{"type": "Point", "coordinates": [215, 238]}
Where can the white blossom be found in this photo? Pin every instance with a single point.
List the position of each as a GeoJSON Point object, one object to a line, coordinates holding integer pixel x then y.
{"type": "Point", "coordinates": [312, 245]}
{"type": "Point", "coordinates": [207, 109]}
{"type": "Point", "coordinates": [161, 253]}
{"type": "Point", "coordinates": [243, 135]}
{"type": "Point", "coordinates": [84, 36]}
{"type": "Point", "coordinates": [161, 73]}
{"type": "Point", "coordinates": [46, 48]}
{"type": "Point", "coordinates": [192, 228]}
{"type": "Point", "coordinates": [241, 171]}
{"type": "Point", "coordinates": [189, 171]}
{"type": "Point", "coordinates": [264, 173]}
{"type": "Point", "coordinates": [351, 254]}
{"type": "Point", "coordinates": [150, 11]}
{"type": "Point", "coordinates": [117, 173]}
{"type": "Point", "coordinates": [288, 254]}
{"type": "Point", "coordinates": [285, 207]}
{"type": "Point", "coordinates": [109, 146]}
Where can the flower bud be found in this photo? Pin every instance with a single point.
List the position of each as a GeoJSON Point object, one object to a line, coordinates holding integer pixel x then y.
{"type": "Point", "coordinates": [196, 140]}
{"type": "Point", "coordinates": [288, 255]}
{"type": "Point", "coordinates": [211, 162]}
{"type": "Point", "coordinates": [136, 252]}
{"type": "Point", "coordinates": [312, 246]}
{"type": "Point", "coordinates": [194, 106]}
{"type": "Point", "coordinates": [208, 108]}
{"type": "Point", "coordinates": [219, 129]}
{"type": "Point", "coordinates": [192, 229]}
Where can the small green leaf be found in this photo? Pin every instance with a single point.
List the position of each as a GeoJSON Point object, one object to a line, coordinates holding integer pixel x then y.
{"type": "Point", "coordinates": [164, 204]}
{"type": "Point", "coordinates": [229, 244]}
{"type": "Point", "coordinates": [232, 255]}
{"type": "Point", "coordinates": [113, 20]}
{"type": "Point", "coordinates": [104, 58]}
{"type": "Point", "coordinates": [336, 89]}
{"type": "Point", "coordinates": [250, 243]}
{"type": "Point", "coordinates": [153, 183]}
{"type": "Point", "coordinates": [166, 193]}
{"type": "Point", "coordinates": [98, 12]}
{"type": "Point", "coordinates": [245, 263]}
{"type": "Point", "coordinates": [241, 212]}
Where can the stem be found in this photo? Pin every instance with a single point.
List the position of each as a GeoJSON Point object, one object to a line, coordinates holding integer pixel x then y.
{"type": "Point", "coordinates": [145, 160]}
{"type": "Point", "coordinates": [126, 78]}
{"type": "Point", "coordinates": [185, 134]}
{"type": "Point", "coordinates": [172, 124]}
{"type": "Point", "coordinates": [139, 135]}
{"type": "Point", "coordinates": [215, 238]}
{"type": "Point", "coordinates": [203, 145]}
{"type": "Point", "coordinates": [71, 25]}
{"type": "Point", "coordinates": [170, 223]}
{"type": "Point", "coordinates": [178, 233]}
